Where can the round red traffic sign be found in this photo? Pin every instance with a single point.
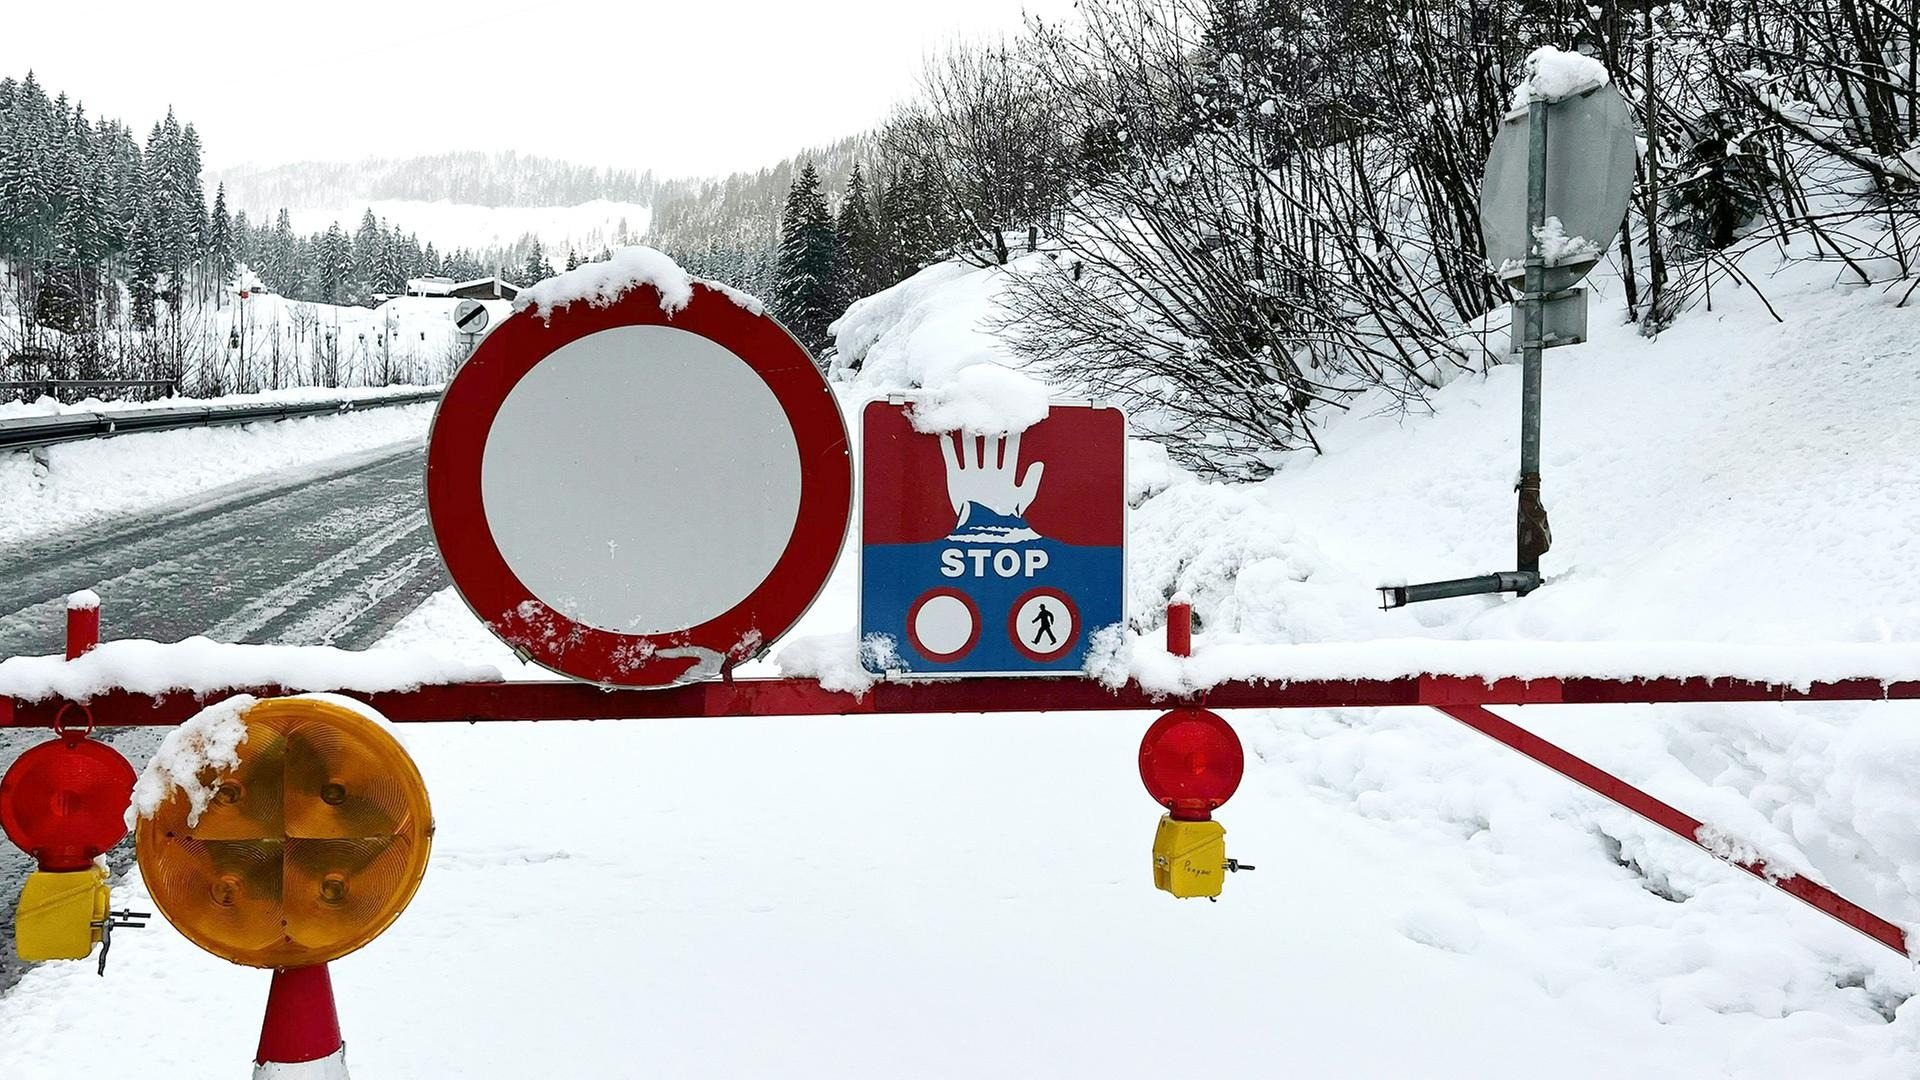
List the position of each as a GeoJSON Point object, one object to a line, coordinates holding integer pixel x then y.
{"type": "Point", "coordinates": [1043, 624]}
{"type": "Point", "coordinates": [635, 496]}
{"type": "Point", "coordinates": [943, 624]}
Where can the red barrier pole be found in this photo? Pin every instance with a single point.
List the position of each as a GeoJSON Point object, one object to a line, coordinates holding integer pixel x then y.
{"type": "Point", "coordinates": [83, 623]}
{"type": "Point", "coordinates": [1608, 786]}
{"type": "Point", "coordinates": [1180, 626]}
{"type": "Point", "coordinates": [300, 1036]}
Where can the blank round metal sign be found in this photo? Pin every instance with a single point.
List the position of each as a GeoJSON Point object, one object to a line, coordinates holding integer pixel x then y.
{"type": "Point", "coordinates": [636, 497]}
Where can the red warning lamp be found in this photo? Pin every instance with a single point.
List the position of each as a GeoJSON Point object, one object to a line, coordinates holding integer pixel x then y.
{"type": "Point", "coordinates": [65, 801]}
{"type": "Point", "coordinates": [1191, 762]}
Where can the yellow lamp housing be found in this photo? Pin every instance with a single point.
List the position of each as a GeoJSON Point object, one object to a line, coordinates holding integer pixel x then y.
{"type": "Point", "coordinates": [309, 848]}
{"type": "Point", "coordinates": [62, 916]}
{"type": "Point", "coordinates": [1189, 857]}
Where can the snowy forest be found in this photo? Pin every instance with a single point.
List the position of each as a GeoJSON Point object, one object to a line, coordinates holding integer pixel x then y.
{"type": "Point", "coordinates": [117, 264]}
{"type": "Point", "coordinates": [1234, 213]}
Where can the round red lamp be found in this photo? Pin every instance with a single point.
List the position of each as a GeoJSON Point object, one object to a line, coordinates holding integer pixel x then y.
{"type": "Point", "coordinates": [65, 802]}
{"type": "Point", "coordinates": [1191, 762]}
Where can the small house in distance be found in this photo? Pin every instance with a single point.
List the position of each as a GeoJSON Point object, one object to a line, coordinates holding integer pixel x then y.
{"type": "Point", "coordinates": [487, 288]}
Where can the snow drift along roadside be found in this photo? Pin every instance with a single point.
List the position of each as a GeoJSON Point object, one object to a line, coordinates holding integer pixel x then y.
{"type": "Point", "coordinates": [97, 479]}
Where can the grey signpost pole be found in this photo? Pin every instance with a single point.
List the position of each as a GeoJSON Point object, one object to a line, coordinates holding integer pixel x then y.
{"type": "Point", "coordinates": [1583, 178]}
{"type": "Point", "coordinates": [1531, 534]}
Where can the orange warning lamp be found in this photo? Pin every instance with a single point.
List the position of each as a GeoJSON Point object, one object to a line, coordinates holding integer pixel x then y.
{"type": "Point", "coordinates": [308, 848]}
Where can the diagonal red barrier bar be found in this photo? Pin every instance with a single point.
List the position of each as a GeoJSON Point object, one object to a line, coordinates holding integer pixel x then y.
{"type": "Point", "coordinates": [1611, 787]}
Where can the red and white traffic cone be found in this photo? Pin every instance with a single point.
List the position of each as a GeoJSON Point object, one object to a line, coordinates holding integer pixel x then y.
{"type": "Point", "coordinates": [300, 1037]}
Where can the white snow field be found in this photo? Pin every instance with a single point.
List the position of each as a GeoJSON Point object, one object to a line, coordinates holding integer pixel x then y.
{"type": "Point", "coordinates": [964, 896]}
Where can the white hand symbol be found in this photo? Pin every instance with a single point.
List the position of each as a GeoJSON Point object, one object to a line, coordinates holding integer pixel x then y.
{"type": "Point", "coordinates": [980, 469]}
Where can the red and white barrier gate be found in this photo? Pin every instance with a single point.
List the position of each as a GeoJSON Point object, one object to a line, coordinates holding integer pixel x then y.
{"type": "Point", "coordinates": [302, 1033]}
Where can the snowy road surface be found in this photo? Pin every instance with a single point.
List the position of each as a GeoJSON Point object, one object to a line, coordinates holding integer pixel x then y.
{"type": "Point", "coordinates": [331, 554]}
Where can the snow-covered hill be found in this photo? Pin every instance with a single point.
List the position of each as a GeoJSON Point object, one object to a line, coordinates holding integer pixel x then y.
{"type": "Point", "coordinates": [586, 228]}
{"type": "Point", "coordinates": [966, 896]}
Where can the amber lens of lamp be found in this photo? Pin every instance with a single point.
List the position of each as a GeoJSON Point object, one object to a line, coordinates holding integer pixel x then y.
{"type": "Point", "coordinates": [310, 847]}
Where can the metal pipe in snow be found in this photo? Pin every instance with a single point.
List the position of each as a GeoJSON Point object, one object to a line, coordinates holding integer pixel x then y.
{"type": "Point", "coordinates": [1530, 517]}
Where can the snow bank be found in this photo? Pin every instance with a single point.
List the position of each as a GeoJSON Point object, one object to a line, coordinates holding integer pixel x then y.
{"type": "Point", "coordinates": [190, 758]}
{"type": "Point", "coordinates": [205, 667]}
{"type": "Point", "coordinates": [1551, 75]}
{"type": "Point", "coordinates": [932, 336]}
{"type": "Point", "coordinates": [97, 479]}
{"type": "Point", "coordinates": [602, 283]}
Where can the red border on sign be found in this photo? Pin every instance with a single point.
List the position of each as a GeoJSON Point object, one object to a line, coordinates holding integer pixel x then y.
{"type": "Point", "coordinates": [551, 639]}
{"type": "Point", "coordinates": [1013, 624]}
{"type": "Point", "coordinates": [973, 636]}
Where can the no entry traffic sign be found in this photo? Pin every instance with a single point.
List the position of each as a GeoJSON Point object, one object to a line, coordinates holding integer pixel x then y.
{"type": "Point", "coordinates": [635, 496]}
{"type": "Point", "coordinates": [990, 555]}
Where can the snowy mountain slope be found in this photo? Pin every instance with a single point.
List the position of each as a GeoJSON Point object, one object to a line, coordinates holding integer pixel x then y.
{"type": "Point", "coordinates": [586, 227]}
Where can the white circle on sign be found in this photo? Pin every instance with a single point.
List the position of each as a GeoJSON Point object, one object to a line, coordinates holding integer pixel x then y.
{"type": "Point", "coordinates": [944, 626]}
{"type": "Point", "coordinates": [641, 480]}
{"type": "Point", "coordinates": [1043, 625]}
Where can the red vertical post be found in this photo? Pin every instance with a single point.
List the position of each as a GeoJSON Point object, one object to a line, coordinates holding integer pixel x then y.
{"type": "Point", "coordinates": [1180, 626]}
{"type": "Point", "coordinates": [301, 1026]}
{"type": "Point", "coordinates": [83, 623]}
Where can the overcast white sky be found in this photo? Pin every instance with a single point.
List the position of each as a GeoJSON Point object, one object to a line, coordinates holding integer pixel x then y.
{"type": "Point", "coordinates": [695, 87]}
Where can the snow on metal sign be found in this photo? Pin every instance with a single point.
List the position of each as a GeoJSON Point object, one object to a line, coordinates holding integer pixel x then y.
{"type": "Point", "coordinates": [990, 555]}
{"type": "Point", "coordinates": [640, 491]}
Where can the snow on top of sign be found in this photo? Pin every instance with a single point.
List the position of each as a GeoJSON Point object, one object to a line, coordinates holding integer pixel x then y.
{"type": "Point", "coordinates": [84, 600]}
{"type": "Point", "coordinates": [932, 336]}
{"type": "Point", "coordinates": [1551, 75]}
{"type": "Point", "coordinates": [832, 660]}
{"type": "Point", "coordinates": [203, 666]}
{"type": "Point", "coordinates": [985, 399]}
{"type": "Point", "coordinates": [1556, 247]}
{"type": "Point", "coordinates": [603, 283]}
{"type": "Point", "coordinates": [210, 740]}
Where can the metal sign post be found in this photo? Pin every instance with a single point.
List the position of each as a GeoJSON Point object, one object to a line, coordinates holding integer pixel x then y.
{"type": "Point", "coordinates": [1532, 533]}
{"type": "Point", "coordinates": [1554, 196]}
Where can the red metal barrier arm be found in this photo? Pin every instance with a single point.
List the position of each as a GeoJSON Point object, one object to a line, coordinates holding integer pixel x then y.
{"type": "Point", "coordinates": [804, 697]}
{"type": "Point", "coordinates": [1614, 789]}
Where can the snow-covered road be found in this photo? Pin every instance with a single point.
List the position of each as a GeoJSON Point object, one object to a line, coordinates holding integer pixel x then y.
{"type": "Point", "coordinates": [328, 554]}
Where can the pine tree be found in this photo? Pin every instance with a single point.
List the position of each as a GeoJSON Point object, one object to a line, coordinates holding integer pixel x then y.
{"type": "Point", "coordinates": [861, 256]}
{"type": "Point", "coordinates": [536, 269]}
{"type": "Point", "coordinates": [808, 295]}
{"type": "Point", "coordinates": [279, 266]}
{"type": "Point", "coordinates": [333, 271]}
{"type": "Point", "coordinates": [573, 259]}
{"type": "Point", "coordinates": [220, 246]}
{"type": "Point", "coordinates": [364, 261]}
